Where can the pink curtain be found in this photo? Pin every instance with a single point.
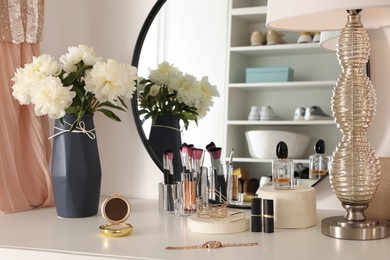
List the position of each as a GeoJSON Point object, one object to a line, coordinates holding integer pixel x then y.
{"type": "Point", "coordinates": [25, 150]}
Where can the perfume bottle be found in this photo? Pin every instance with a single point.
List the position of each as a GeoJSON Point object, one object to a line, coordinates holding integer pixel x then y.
{"type": "Point", "coordinates": [282, 169]}
{"type": "Point", "coordinates": [318, 162]}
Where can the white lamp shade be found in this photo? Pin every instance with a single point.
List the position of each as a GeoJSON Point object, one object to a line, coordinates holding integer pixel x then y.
{"type": "Point", "coordinates": [328, 40]}
{"type": "Point", "coordinates": [324, 15]}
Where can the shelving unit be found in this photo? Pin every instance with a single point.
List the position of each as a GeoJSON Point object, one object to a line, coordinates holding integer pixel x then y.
{"type": "Point", "coordinates": [315, 74]}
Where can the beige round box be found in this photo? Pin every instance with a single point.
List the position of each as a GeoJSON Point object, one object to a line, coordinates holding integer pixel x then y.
{"type": "Point", "coordinates": [295, 208]}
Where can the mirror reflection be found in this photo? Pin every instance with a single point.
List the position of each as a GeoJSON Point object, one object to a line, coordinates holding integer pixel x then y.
{"type": "Point", "coordinates": [196, 47]}
{"type": "Point", "coordinates": [180, 35]}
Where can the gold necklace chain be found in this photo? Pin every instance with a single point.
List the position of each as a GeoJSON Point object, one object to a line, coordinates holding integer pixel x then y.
{"type": "Point", "coordinates": [210, 244]}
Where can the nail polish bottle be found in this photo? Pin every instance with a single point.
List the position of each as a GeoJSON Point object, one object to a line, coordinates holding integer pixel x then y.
{"type": "Point", "coordinates": [318, 162]}
{"type": "Point", "coordinates": [282, 169]}
{"type": "Point", "coordinates": [256, 221]}
{"type": "Point", "coordinates": [268, 216]}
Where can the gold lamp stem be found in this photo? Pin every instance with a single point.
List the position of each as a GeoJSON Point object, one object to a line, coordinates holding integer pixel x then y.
{"type": "Point", "coordinates": [355, 169]}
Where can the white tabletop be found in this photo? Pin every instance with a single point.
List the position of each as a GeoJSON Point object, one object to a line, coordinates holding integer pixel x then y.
{"type": "Point", "coordinates": [40, 233]}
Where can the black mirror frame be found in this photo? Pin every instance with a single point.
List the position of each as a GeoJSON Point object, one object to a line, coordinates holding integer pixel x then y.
{"type": "Point", "coordinates": [135, 61]}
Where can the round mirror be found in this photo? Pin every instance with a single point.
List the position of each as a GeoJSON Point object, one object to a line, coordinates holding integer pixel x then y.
{"type": "Point", "coordinates": [116, 209]}
{"type": "Point", "coordinates": [201, 44]}
{"type": "Point", "coordinates": [174, 33]}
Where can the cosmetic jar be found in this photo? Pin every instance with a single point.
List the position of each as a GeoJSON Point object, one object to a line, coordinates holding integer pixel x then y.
{"type": "Point", "coordinates": [256, 225]}
{"type": "Point", "coordinates": [116, 210]}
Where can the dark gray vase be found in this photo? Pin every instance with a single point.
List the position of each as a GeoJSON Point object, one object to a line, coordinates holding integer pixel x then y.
{"type": "Point", "coordinates": [76, 172]}
{"type": "Point", "coordinates": [165, 134]}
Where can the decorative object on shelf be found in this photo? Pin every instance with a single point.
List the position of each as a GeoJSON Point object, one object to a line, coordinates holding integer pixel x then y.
{"type": "Point", "coordinates": [269, 74]}
{"type": "Point", "coordinates": [258, 38]}
{"type": "Point", "coordinates": [254, 114]}
{"type": "Point", "coordinates": [71, 92]}
{"type": "Point", "coordinates": [317, 37]}
{"type": "Point", "coordinates": [170, 93]}
{"type": "Point", "coordinates": [282, 169]}
{"type": "Point", "coordinates": [262, 143]}
{"type": "Point", "coordinates": [305, 37]}
{"type": "Point", "coordinates": [274, 37]}
{"type": "Point", "coordinates": [315, 113]}
{"type": "Point", "coordinates": [267, 114]}
{"type": "Point", "coordinates": [116, 210]}
{"type": "Point", "coordinates": [355, 169]}
{"type": "Point", "coordinates": [310, 113]}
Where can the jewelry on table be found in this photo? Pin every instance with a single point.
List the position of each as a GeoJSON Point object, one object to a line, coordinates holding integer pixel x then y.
{"type": "Point", "coordinates": [210, 244]}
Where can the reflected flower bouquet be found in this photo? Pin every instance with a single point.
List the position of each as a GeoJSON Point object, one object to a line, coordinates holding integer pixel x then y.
{"type": "Point", "coordinates": [170, 92]}
{"type": "Point", "coordinates": [81, 83]}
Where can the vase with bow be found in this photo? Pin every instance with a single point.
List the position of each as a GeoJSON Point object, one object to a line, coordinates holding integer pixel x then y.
{"type": "Point", "coordinates": [71, 91]}
{"type": "Point", "coordinates": [172, 99]}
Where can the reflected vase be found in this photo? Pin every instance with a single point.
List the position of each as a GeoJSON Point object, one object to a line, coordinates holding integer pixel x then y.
{"type": "Point", "coordinates": [76, 171]}
{"type": "Point", "coordinates": [165, 134]}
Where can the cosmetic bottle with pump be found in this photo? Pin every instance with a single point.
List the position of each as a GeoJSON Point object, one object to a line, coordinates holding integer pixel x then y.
{"type": "Point", "coordinates": [282, 169]}
{"type": "Point", "coordinates": [318, 162]}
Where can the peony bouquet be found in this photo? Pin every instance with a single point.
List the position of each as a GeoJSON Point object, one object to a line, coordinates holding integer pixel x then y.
{"type": "Point", "coordinates": [81, 83]}
{"type": "Point", "coordinates": [170, 92]}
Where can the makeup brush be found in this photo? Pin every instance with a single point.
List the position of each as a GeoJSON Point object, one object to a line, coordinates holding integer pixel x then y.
{"type": "Point", "coordinates": [197, 159]}
{"type": "Point", "coordinates": [168, 166]}
{"type": "Point", "coordinates": [210, 146]}
{"type": "Point", "coordinates": [186, 156]}
{"type": "Point", "coordinates": [220, 182]}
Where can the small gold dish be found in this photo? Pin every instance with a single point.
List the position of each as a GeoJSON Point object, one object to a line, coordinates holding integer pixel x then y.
{"type": "Point", "coordinates": [116, 210]}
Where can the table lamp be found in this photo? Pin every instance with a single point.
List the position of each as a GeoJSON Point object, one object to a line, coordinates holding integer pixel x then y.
{"type": "Point", "coordinates": [355, 169]}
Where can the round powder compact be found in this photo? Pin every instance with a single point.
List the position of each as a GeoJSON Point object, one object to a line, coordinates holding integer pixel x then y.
{"type": "Point", "coordinates": [116, 210]}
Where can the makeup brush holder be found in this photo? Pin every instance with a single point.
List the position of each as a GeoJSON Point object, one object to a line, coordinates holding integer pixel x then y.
{"type": "Point", "coordinates": [218, 182]}
{"type": "Point", "coordinates": [167, 195]}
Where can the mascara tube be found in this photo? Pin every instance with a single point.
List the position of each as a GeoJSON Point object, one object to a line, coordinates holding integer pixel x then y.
{"type": "Point", "coordinates": [256, 225]}
{"type": "Point", "coordinates": [268, 216]}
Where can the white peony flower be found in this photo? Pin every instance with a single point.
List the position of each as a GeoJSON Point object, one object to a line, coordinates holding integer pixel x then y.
{"type": "Point", "coordinates": [188, 92]}
{"type": "Point", "coordinates": [52, 98]}
{"type": "Point", "coordinates": [111, 80]}
{"type": "Point", "coordinates": [164, 73]}
{"type": "Point", "coordinates": [77, 54]}
{"type": "Point", "coordinates": [154, 90]}
{"type": "Point", "coordinates": [45, 65]}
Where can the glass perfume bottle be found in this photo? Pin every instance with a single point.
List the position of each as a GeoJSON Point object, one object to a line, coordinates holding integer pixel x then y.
{"type": "Point", "coordinates": [318, 162]}
{"type": "Point", "coordinates": [282, 169]}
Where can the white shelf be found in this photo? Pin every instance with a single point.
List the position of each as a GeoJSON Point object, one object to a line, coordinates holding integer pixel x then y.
{"type": "Point", "coordinates": [256, 14]}
{"type": "Point", "coordinates": [256, 160]}
{"type": "Point", "coordinates": [315, 75]}
{"type": "Point", "coordinates": [280, 49]}
{"type": "Point", "coordinates": [281, 122]}
{"type": "Point", "coordinates": [282, 85]}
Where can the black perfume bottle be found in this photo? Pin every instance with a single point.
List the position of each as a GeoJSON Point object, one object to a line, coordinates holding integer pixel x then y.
{"type": "Point", "coordinates": [268, 215]}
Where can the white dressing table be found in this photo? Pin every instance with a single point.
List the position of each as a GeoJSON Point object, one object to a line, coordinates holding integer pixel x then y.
{"type": "Point", "coordinates": [40, 234]}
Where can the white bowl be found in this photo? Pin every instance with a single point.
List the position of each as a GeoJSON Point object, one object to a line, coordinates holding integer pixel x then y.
{"type": "Point", "coordinates": [262, 143]}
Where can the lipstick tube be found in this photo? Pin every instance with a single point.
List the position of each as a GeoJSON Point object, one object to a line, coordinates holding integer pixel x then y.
{"type": "Point", "coordinates": [268, 216]}
{"type": "Point", "coordinates": [256, 225]}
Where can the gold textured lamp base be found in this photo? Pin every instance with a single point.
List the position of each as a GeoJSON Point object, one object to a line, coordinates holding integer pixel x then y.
{"type": "Point", "coordinates": [339, 227]}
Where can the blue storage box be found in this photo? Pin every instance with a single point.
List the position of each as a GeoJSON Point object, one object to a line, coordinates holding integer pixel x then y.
{"type": "Point", "coordinates": [270, 74]}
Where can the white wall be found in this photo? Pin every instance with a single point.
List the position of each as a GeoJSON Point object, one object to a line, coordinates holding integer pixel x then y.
{"type": "Point", "coordinates": [111, 27]}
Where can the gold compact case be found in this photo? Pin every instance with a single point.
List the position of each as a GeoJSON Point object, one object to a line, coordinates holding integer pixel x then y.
{"type": "Point", "coordinates": [116, 210]}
